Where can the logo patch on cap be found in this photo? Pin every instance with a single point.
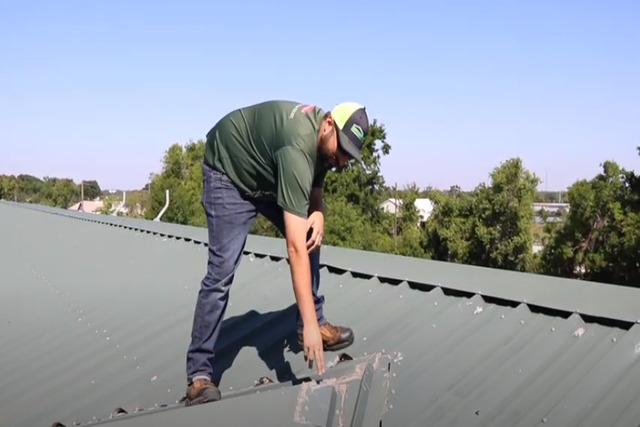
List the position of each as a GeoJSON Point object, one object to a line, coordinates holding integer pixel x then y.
{"type": "Point", "coordinates": [357, 131]}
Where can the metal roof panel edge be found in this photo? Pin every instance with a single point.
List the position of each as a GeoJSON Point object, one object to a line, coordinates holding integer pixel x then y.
{"type": "Point", "coordinates": [601, 300]}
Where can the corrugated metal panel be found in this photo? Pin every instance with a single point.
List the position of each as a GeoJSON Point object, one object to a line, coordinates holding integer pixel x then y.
{"type": "Point", "coordinates": [586, 298]}
{"type": "Point", "coordinates": [352, 393]}
{"type": "Point", "coordinates": [94, 318]}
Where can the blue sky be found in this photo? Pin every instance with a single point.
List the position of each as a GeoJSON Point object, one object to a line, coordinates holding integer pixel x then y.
{"type": "Point", "coordinates": [99, 90]}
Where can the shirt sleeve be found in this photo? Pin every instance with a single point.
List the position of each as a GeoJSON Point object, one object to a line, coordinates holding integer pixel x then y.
{"type": "Point", "coordinates": [295, 178]}
{"type": "Point", "coordinates": [318, 180]}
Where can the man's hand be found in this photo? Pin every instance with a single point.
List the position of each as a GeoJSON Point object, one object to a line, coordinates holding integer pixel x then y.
{"type": "Point", "coordinates": [315, 222]}
{"type": "Point", "coordinates": [313, 349]}
{"type": "Point", "coordinates": [295, 233]}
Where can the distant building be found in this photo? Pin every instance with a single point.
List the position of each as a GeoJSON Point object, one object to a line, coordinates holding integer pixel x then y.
{"type": "Point", "coordinates": [546, 212]}
{"type": "Point", "coordinates": [89, 206]}
{"type": "Point", "coordinates": [424, 207]}
{"type": "Point", "coordinates": [97, 206]}
{"type": "Point", "coordinates": [551, 208]}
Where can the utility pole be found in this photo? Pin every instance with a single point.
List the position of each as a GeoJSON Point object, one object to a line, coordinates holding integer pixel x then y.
{"type": "Point", "coordinates": [82, 195]}
{"type": "Point", "coordinates": [396, 203]}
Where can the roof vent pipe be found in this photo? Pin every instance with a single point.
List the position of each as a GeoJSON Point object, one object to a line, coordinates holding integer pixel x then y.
{"type": "Point", "coordinates": [164, 209]}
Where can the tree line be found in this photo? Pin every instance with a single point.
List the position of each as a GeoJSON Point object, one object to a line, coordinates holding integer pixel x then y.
{"type": "Point", "coordinates": [49, 191]}
{"type": "Point", "coordinates": [493, 225]}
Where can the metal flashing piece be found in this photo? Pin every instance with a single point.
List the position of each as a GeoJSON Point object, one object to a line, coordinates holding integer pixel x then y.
{"type": "Point", "coordinates": [351, 393]}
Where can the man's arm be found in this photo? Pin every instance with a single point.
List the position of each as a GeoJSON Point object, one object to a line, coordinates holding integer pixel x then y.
{"type": "Point", "coordinates": [315, 203]}
{"type": "Point", "coordinates": [296, 237]}
{"type": "Point", "coordinates": [295, 178]}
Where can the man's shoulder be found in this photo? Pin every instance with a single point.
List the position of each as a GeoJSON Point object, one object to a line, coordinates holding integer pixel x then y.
{"type": "Point", "coordinates": [284, 112]}
{"type": "Point", "coordinates": [288, 108]}
{"type": "Point", "coordinates": [300, 125]}
{"type": "Point", "coordinates": [277, 123]}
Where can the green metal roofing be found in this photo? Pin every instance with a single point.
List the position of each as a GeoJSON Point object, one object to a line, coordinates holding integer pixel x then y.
{"type": "Point", "coordinates": [95, 316]}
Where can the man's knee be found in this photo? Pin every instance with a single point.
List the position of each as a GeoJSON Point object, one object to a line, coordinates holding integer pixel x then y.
{"type": "Point", "coordinates": [220, 272]}
{"type": "Point", "coordinates": [220, 286]}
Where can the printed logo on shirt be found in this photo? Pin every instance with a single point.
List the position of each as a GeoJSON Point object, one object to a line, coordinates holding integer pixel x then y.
{"type": "Point", "coordinates": [303, 108]}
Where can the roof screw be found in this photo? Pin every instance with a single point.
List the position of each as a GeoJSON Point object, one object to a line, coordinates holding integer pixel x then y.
{"type": "Point", "coordinates": [544, 420]}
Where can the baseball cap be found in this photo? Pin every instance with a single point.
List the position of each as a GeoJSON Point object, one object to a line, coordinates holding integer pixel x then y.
{"type": "Point", "coordinates": [353, 125]}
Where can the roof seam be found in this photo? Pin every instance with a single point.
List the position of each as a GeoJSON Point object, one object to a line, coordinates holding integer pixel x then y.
{"type": "Point", "coordinates": [413, 284]}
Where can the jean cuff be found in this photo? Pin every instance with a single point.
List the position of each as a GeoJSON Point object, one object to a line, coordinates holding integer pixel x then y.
{"type": "Point", "coordinates": [200, 377]}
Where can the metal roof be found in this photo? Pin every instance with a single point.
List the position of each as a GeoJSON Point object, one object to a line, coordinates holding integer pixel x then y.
{"type": "Point", "coordinates": [95, 316]}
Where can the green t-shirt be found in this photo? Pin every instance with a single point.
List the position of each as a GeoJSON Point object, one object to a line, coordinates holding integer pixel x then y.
{"type": "Point", "coordinates": [269, 150]}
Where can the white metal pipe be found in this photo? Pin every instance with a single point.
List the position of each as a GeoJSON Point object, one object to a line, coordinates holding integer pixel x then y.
{"type": "Point", "coordinates": [164, 209]}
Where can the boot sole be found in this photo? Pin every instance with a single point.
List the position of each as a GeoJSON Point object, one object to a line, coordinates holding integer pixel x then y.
{"type": "Point", "coordinates": [339, 346]}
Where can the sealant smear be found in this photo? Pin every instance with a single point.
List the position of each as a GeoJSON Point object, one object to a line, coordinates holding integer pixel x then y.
{"type": "Point", "coordinates": [340, 386]}
{"type": "Point", "coordinates": [303, 395]}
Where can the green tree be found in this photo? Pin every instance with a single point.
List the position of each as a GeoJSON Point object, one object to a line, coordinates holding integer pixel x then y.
{"type": "Point", "coordinates": [137, 203]}
{"type": "Point", "coordinates": [407, 229]}
{"type": "Point", "coordinates": [182, 176]}
{"type": "Point", "coordinates": [490, 226]}
{"type": "Point", "coordinates": [11, 188]}
{"type": "Point", "coordinates": [108, 204]}
{"type": "Point", "coordinates": [599, 238]}
{"type": "Point", "coordinates": [501, 226]}
{"type": "Point", "coordinates": [345, 227]}
{"type": "Point", "coordinates": [91, 189]}
{"type": "Point", "coordinates": [29, 189]}
{"type": "Point", "coordinates": [448, 229]}
{"type": "Point", "coordinates": [59, 192]}
{"type": "Point", "coordinates": [51, 191]}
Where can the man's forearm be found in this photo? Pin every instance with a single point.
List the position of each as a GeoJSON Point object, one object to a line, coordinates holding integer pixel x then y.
{"type": "Point", "coordinates": [301, 276]}
{"type": "Point", "coordinates": [295, 232]}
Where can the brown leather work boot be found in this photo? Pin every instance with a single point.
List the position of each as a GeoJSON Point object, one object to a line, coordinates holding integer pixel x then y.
{"type": "Point", "coordinates": [333, 337]}
{"type": "Point", "coordinates": [201, 391]}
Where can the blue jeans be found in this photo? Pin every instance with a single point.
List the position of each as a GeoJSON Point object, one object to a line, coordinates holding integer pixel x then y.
{"type": "Point", "coordinates": [230, 216]}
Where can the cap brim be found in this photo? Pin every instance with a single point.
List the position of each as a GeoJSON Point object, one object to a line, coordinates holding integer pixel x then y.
{"type": "Point", "coordinates": [349, 147]}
